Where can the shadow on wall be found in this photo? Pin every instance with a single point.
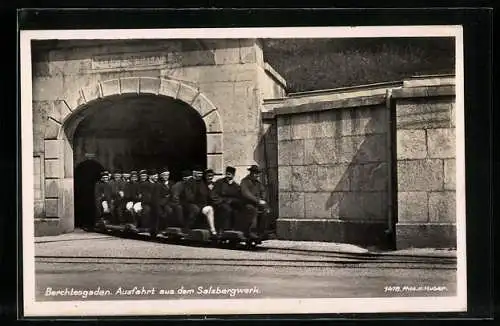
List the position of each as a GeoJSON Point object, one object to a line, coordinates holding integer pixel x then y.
{"type": "Point", "coordinates": [360, 195]}
{"type": "Point", "coordinates": [343, 175]}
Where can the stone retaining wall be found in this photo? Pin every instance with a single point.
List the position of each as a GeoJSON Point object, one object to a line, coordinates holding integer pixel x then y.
{"type": "Point", "coordinates": [348, 172]}
{"type": "Point", "coordinates": [425, 168]}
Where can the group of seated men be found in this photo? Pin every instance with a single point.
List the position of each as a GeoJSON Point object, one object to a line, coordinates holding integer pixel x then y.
{"type": "Point", "coordinates": [150, 201]}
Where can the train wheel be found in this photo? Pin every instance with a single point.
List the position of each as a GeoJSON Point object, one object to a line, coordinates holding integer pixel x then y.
{"type": "Point", "coordinates": [251, 245]}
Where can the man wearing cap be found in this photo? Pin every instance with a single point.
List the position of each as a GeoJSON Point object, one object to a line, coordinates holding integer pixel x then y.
{"type": "Point", "coordinates": [150, 190]}
{"type": "Point", "coordinates": [177, 198]}
{"type": "Point", "coordinates": [102, 195]}
{"type": "Point", "coordinates": [199, 198]}
{"type": "Point", "coordinates": [142, 188]}
{"type": "Point", "coordinates": [118, 197]}
{"type": "Point", "coordinates": [254, 194]}
{"type": "Point", "coordinates": [229, 193]}
{"type": "Point", "coordinates": [131, 190]}
{"type": "Point", "coordinates": [166, 212]}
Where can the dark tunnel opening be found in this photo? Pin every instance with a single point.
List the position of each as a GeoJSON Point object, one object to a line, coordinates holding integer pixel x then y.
{"type": "Point", "coordinates": [132, 133]}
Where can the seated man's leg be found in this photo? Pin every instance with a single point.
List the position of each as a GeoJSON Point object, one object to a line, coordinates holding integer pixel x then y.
{"type": "Point", "coordinates": [250, 219]}
{"type": "Point", "coordinates": [176, 218]}
{"type": "Point", "coordinates": [208, 212]}
{"type": "Point", "coordinates": [129, 212]}
{"type": "Point", "coordinates": [145, 217]}
{"type": "Point", "coordinates": [166, 217]}
{"type": "Point", "coordinates": [160, 218]}
{"type": "Point", "coordinates": [99, 212]}
{"type": "Point", "coordinates": [137, 214]}
{"type": "Point", "coordinates": [192, 212]}
{"type": "Point", "coordinates": [106, 210]}
{"type": "Point", "coordinates": [237, 217]}
{"type": "Point", "coordinates": [120, 211]}
{"type": "Point", "coordinates": [223, 217]}
{"type": "Point", "coordinates": [155, 218]}
{"type": "Point", "coordinates": [263, 221]}
{"type": "Point", "coordinates": [117, 216]}
{"type": "Point", "coordinates": [112, 213]}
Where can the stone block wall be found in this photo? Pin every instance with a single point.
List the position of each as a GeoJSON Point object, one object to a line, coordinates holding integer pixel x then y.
{"type": "Point", "coordinates": [333, 174]}
{"type": "Point", "coordinates": [352, 168]}
{"type": "Point", "coordinates": [425, 136]}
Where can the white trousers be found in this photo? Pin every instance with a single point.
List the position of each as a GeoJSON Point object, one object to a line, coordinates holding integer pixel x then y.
{"type": "Point", "coordinates": [208, 210]}
{"type": "Point", "coordinates": [137, 207]}
{"type": "Point", "coordinates": [105, 206]}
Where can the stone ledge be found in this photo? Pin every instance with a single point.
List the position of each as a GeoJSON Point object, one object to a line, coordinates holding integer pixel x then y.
{"type": "Point", "coordinates": [274, 74]}
{"type": "Point", "coordinates": [382, 86]}
{"type": "Point", "coordinates": [430, 80]}
{"type": "Point", "coordinates": [47, 227]}
{"type": "Point", "coordinates": [424, 91]}
{"type": "Point", "coordinates": [363, 234]}
{"type": "Point", "coordinates": [426, 236]}
{"type": "Point", "coordinates": [329, 105]}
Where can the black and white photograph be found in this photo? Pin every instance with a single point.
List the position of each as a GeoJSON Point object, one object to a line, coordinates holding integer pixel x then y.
{"type": "Point", "coordinates": [243, 171]}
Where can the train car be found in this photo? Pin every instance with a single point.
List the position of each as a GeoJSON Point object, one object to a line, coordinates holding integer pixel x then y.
{"type": "Point", "coordinates": [197, 236]}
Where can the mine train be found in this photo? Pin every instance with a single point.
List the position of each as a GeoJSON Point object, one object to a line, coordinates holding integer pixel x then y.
{"type": "Point", "coordinates": [218, 222]}
{"type": "Point", "coordinates": [198, 236]}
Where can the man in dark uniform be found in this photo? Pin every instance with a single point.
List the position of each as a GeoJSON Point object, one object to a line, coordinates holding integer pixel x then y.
{"type": "Point", "coordinates": [177, 199]}
{"type": "Point", "coordinates": [102, 195]}
{"type": "Point", "coordinates": [131, 189]}
{"type": "Point", "coordinates": [229, 193]}
{"type": "Point", "coordinates": [199, 198]}
{"type": "Point", "coordinates": [167, 214]}
{"type": "Point", "coordinates": [256, 208]}
{"type": "Point", "coordinates": [150, 202]}
{"type": "Point", "coordinates": [117, 198]}
{"type": "Point", "coordinates": [142, 193]}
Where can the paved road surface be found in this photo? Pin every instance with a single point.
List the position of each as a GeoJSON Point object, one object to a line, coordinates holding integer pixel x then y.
{"type": "Point", "coordinates": [132, 269]}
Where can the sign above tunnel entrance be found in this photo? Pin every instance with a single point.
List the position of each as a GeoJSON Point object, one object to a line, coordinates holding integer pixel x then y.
{"type": "Point", "coordinates": [133, 60]}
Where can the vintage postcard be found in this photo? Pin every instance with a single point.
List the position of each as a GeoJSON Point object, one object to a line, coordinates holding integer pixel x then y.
{"type": "Point", "coordinates": [243, 171]}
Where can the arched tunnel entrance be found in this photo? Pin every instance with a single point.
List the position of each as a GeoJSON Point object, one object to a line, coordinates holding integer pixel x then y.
{"type": "Point", "coordinates": [133, 132]}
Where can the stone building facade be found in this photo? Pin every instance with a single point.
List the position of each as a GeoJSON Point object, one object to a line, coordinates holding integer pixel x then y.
{"type": "Point", "coordinates": [350, 165]}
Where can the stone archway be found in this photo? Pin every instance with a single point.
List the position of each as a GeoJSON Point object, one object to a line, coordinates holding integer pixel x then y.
{"type": "Point", "coordinates": [58, 158]}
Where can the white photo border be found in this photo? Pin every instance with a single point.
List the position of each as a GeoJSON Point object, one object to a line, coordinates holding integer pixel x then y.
{"type": "Point", "coordinates": [31, 308]}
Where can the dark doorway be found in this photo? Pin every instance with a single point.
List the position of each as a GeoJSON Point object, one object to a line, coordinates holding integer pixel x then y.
{"type": "Point", "coordinates": [86, 175]}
